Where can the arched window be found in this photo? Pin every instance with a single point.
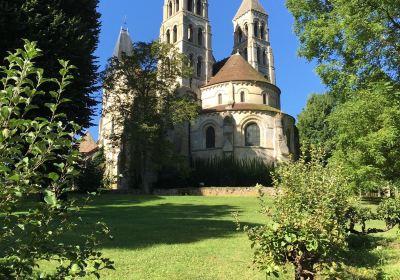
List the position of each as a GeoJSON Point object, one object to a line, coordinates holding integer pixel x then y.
{"type": "Point", "coordinates": [168, 37]}
{"type": "Point", "coordinates": [264, 98]}
{"type": "Point", "coordinates": [246, 29]}
{"type": "Point", "coordinates": [199, 66]}
{"type": "Point", "coordinates": [252, 135]}
{"type": "Point", "coordinates": [190, 5]}
{"type": "Point", "coordinates": [262, 31]}
{"type": "Point", "coordinates": [191, 60]}
{"type": "Point", "coordinates": [240, 35]}
{"type": "Point", "coordinates": [258, 55]}
{"type": "Point", "coordinates": [245, 54]}
{"type": "Point", "coordinates": [175, 34]}
{"type": "Point", "coordinates": [170, 9]}
{"type": "Point", "coordinates": [200, 37]}
{"type": "Point", "coordinates": [256, 29]}
{"type": "Point", "coordinates": [210, 138]}
{"type": "Point", "coordinates": [190, 33]}
{"type": "Point", "coordinates": [242, 96]}
{"type": "Point", "coordinates": [199, 7]}
{"type": "Point", "coordinates": [177, 5]}
{"type": "Point", "coordinates": [264, 57]}
{"type": "Point", "coordinates": [220, 99]}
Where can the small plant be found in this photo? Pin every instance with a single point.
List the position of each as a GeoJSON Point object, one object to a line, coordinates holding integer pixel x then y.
{"type": "Point", "coordinates": [38, 158]}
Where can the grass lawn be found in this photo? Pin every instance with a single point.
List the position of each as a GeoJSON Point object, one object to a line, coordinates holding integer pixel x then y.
{"type": "Point", "coordinates": [196, 238]}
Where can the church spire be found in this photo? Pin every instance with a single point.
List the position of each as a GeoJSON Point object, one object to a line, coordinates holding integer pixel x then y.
{"type": "Point", "coordinates": [250, 5]}
{"type": "Point", "coordinates": [124, 43]}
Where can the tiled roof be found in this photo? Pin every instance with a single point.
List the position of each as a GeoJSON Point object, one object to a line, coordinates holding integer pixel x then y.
{"type": "Point", "coordinates": [241, 107]}
{"type": "Point", "coordinates": [124, 44]}
{"type": "Point", "coordinates": [88, 145]}
{"type": "Point", "coordinates": [249, 5]}
{"type": "Point", "coordinates": [237, 69]}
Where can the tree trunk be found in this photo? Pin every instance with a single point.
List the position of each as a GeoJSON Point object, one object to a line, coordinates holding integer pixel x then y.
{"type": "Point", "coordinates": [302, 272]}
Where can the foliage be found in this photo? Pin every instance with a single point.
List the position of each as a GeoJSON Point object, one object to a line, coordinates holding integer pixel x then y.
{"type": "Point", "coordinates": [68, 29]}
{"type": "Point", "coordinates": [31, 232]}
{"type": "Point", "coordinates": [308, 221]}
{"type": "Point", "coordinates": [354, 41]}
{"type": "Point", "coordinates": [141, 91]}
{"type": "Point", "coordinates": [90, 178]}
{"type": "Point", "coordinates": [313, 125]}
{"type": "Point", "coordinates": [367, 133]}
{"type": "Point", "coordinates": [216, 172]}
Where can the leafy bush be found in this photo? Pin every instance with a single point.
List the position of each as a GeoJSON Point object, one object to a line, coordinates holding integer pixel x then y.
{"type": "Point", "coordinates": [308, 220]}
{"type": "Point", "coordinates": [39, 156]}
{"type": "Point", "coordinates": [92, 171]}
{"type": "Point", "coordinates": [226, 171]}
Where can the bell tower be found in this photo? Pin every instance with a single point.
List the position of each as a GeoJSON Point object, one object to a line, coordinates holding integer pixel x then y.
{"type": "Point", "coordinates": [252, 38]}
{"type": "Point", "coordinates": [186, 25]}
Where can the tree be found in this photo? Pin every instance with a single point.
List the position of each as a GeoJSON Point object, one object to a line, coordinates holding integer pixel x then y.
{"type": "Point", "coordinates": [313, 125]}
{"type": "Point", "coordinates": [146, 106]}
{"type": "Point", "coordinates": [307, 225]}
{"type": "Point", "coordinates": [354, 41]}
{"type": "Point", "coordinates": [312, 216]}
{"type": "Point", "coordinates": [34, 231]}
{"type": "Point", "coordinates": [68, 29]}
{"type": "Point", "coordinates": [367, 131]}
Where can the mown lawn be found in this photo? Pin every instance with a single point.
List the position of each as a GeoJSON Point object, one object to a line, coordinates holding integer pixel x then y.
{"type": "Point", "coordinates": [196, 238]}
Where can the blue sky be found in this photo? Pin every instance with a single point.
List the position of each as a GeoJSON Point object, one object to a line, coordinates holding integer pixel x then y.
{"type": "Point", "coordinates": [295, 76]}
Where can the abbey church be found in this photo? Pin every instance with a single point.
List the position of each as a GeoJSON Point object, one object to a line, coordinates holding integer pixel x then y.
{"type": "Point", "coordinates": [241, 102]}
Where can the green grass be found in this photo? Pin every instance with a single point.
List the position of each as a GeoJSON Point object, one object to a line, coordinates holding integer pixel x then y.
{"type": "Point", "coordinates": [196, 238]}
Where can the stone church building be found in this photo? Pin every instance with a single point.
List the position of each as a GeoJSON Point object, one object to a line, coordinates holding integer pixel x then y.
{"type": "Point", "coordinates": [241, 103]}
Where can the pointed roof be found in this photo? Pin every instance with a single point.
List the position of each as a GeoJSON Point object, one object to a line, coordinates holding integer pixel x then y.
{"type": "Point", "coordinates": [124, 44]}
{"type": "Point", "coordinates": [250, 5]}
{"type": "Point", "coordinates": [237, 69]}
{"type": "Point", "coordinates": [87, 145]}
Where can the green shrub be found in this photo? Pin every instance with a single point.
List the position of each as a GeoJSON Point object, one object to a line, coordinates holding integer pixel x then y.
{"type": "Point", "coordinates": [40, 156]}
{"type": "Point", "coordinates": [92, 171]}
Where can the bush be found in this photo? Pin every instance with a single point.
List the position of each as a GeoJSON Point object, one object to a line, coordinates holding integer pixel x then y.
{"type": "Point", "coordinates": [39, 156]}
{"type": "Point", "coordinates": [309, 225]}
{"type": "Point", "coordinates": [227, 171]}
{"type": "Point", "coordinates": [92, 171]}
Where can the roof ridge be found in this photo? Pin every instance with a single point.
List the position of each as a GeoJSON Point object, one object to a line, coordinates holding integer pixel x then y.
{"type": "Point", "coordinates": [249, 5]}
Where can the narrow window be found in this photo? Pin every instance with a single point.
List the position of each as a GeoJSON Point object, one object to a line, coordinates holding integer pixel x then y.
{"type": "Point", "coordinates": [256, 29]}
{"type": "Point", "coordinates": [264, 57]}
{"type": "Point", "coordinates": [198, 8]}
{"type": "Point", "coordinates": [262, 31]}
{"type": "Point", "coordinates": [245, 54]}
{"type": "Point", "coordinates": [177, 5]}
{"type": "Point", "coordinates": [199, 66]}
{"type": "Point", "coordinates": [240, 35]}
{"type": "Point", "coordinates": [190, 33]}
{"type": "Point", "coordinates": [220, 99]}
{"type": "Point", "coordinates": [200, 37]}
{"type": "Point", "coordinates": [191, 60]}
{"type": "Point", "coordinates": [246, 29]}
{"type": "Point", "coordinates": [175, 34]}
{"type": "Point", "coordinates": [252, 135]}
{"type": "Point", "coordinates": [168, 37]}
{"type": "Point", "coordinates": [170, 9]}
{"type": "Point", "coordinates": [289, 138]}
{"type": "Point", "coordinates": [264, 98]}
{"type": "Point", "coordinates": [210, 138]}
{"type": "Point", "coordinates": [190, 5]}
{"type": "Point", "coordinates": [242, 96]}
{"type": "Point", "coordinates": [258, 55]}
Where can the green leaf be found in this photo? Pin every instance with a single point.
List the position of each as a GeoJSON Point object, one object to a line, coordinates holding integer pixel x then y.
{"type": "Point", "coordinates": [53, 176]}
{"type": "Point", "coordinates": [50, 198]}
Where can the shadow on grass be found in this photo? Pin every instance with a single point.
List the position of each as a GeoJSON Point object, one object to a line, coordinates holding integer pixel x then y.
{"type": "Point", "coordinates": [136, 226]}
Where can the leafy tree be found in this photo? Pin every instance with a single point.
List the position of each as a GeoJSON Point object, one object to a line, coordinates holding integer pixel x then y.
{"type": "Point", "coordinates": [313, 125]}
{"type": "Point", "coordinates": [308, 220]}
{"type": "Point", "coordinates": [312, 216]}
{"type": "Point", "coordinates": [146, 106]}
{"type": "Point", "coordinates": [92, 172]}
{"type": "Point", "coordinates": [31, 231]}
{"type": "Point", "coordinates": [63, 28]}
{"type": "Point", "coordinates": [367, 137]}
{"type": "Point", "coordinates": [354, 41]}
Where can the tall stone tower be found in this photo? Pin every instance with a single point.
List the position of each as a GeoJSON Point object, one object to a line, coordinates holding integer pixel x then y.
{"type": "Point", "coordinates": [252, 38]}
{"type": "Point", "coordinates": [186, 25]}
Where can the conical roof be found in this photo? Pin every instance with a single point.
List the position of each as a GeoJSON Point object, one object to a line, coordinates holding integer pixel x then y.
{"type": "Point", "coordinates": [250, 5]}
{"type": "Point", "coordinates": [237, 69]}
{"type": "Point", "coordinates": [124, 44]}
{"type": "Point", "coordinates": [88, 144]}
